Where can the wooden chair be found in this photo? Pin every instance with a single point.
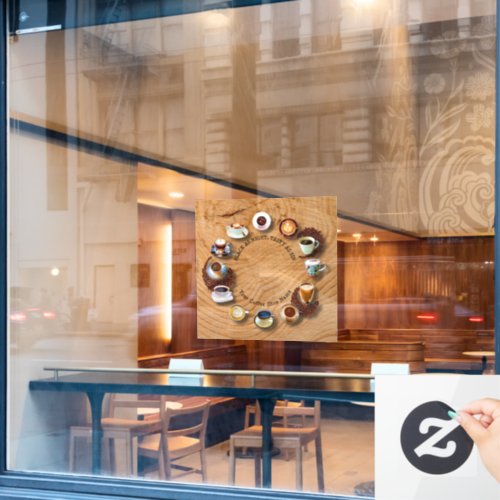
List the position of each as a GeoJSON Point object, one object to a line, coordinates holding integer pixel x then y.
{"type": "Point", "coordinates": [278, 412]}
{"type": "Point", "coordinates": [280, 417]}
{"type": "Point", "coordinates": [291, 438]}
{"type": "Point", "coordinates": [182, 434]}
{"type": "Point", "coordinates": [126, 429]}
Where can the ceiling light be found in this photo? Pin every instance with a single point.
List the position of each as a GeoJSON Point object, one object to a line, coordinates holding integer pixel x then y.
{"type": "Point", "coordinates": [55, 271]}
{"type": "Point", "coordinates": [339, 230]}
{"type": "Point", "coordinates": [357, 236]}
{"type": "Point", "coordinates": [374, 238]}
{"type": "Point", "coordinates": [176, 195]}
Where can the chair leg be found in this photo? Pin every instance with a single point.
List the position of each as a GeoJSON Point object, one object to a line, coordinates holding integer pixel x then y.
{"type": "Point", "coordinates": [298, 466]}
{"type": "Point", "coordinates": [258, 467]}
{"type": "Point", "coordinates": [303, 425]}
{"type": "Point", "coordinates": [203, 465]}
{"type": "Point", "coordinates": [71, 452]}
{"type": "Point", "coordinates": [129, 459]}
{"type": "Point", "coordinates": [285, 424]}
{"type": "Point", "coordinates": [319, 463]}
{"type": "Point", "coordinates": [232, 461]}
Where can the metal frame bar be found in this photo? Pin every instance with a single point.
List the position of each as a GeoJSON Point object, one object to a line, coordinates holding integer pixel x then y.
{"type": "Point", "coordinates": [249, 373]}
{"type": "Point", "coordinates": [45, 486]}
{"type": "Point", "coordinates": [497, 196]}
{"type": "Point", "coordinates": [74, 14]}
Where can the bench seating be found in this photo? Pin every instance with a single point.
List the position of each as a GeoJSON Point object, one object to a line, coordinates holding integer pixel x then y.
{"type": "Point", "coordinates": [443, 349]}
{"type": "Point", "coordinates": [357, 356]}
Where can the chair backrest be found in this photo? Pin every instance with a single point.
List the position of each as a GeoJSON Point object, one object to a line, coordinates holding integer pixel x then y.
{"type": "Point", "coordinates": [193, 420]}
{"type": "Point", "coordinates": [305, 411]}
{"type": "Point", "coordinates": [116, 403]}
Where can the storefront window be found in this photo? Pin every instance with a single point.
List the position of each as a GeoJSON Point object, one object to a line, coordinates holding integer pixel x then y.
{"type": "Point", "coordinates": [118, 127]}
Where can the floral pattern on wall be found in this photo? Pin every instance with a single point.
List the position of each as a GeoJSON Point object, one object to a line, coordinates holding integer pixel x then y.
{"type": "Point", "coordinates": [435, 171]}
{"type": "Point", "coordinates": [456, 147]}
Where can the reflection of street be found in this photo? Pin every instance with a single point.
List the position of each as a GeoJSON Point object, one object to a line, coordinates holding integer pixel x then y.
{"type": "Point", "coordinates": [84, 342]}
{"type": "Point", "coordinates": [35, 423]}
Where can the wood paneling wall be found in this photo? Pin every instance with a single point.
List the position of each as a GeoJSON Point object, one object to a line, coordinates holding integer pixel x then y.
{"type": "Point", "coordinates": [388, 284]}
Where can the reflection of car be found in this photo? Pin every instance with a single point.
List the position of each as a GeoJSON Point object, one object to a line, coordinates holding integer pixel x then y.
{"type": "Point", "coordinates": [412, 312]}
{"type": "Point", "coordinates": [32, 318]}
{"type": "Point", "coordinates": [468, 315]}
{"type": "Point", "coordinates": [152, 317]}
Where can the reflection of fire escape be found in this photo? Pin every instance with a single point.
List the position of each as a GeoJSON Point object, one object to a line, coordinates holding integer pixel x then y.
{"type": "Point", "coordinates": [127, 69]}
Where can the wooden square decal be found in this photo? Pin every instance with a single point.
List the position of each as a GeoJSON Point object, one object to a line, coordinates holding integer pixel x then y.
{"type": "Point", "coordinates": [267, 269]}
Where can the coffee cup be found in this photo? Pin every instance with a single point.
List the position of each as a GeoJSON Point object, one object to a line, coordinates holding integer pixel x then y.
{"type": "Point", "coordinates": [221, 248]}
{"type": "Point", "coordinates": [308, 245]}
{"type": "Point", "coordinates": [236, 231]}
{"type": "Point", "coordinates": [314, 267]}
{"type": "Point", "coordinates": [306, 292]}
{"type": "Point", "coordinates": [289, 313]}
{"type": "Point", "coordinates": [216, 270]}
{"type": "Point", "coordinates": [220, 243]}
{"type": "Point", "coordinates": [222, 293]}
{"type": "Point", "coordinates": [237, 313]}
{"type": "Point", "coordinates": [288, 227]}
{"type": "Point", "coordinates": [264, 319]}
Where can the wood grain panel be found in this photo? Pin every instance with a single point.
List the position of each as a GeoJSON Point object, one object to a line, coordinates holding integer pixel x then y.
{"type": "Point", "coordinates": [268, 268]}
{"type": "Point", "coordinates": [389, 284]}
{"type": "Point", "coordinates": [438, 344]}
{"type": "Point", "coordinates": [353, 356]}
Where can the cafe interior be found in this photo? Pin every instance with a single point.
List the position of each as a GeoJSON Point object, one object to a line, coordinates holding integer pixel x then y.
{"type": "Point", "coordinates": [119, 129]}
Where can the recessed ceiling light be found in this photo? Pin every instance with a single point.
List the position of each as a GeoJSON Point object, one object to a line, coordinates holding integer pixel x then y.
{"type": "Point", "coordinates": [339, 230]}
{"type": "Point", "coordinates": [55, 271]}
{"type": "Point", "coordinates": [356, 236]}
{"type": "Point", "coordinates": [374, 238]}
{"type": "Point", "coordinates": [176, 194]}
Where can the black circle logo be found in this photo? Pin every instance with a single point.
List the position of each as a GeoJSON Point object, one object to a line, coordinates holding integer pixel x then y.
{"type": "Point", "coordinates": [432, 441]}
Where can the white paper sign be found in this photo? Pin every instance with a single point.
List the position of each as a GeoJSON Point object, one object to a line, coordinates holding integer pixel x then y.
{"type": "Point", "coordinates": [182, 364]}
{"type": "Point", "coordinates": [422, 454]}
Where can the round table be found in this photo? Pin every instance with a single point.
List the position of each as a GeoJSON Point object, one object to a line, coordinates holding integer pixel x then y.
{"type": "Point", "coordinates": [484, 355]}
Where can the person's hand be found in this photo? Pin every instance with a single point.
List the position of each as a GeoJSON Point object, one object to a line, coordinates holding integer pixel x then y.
{"type": "Point", "coordinates": [485, 431]}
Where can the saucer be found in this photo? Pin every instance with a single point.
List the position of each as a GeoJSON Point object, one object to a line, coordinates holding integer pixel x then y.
{"type": "Point", "coordinates": [225, 253]}
{"type": "Point", "coordinates": [262, 221]}
{"type": "Point", "coordinates": [237, 234]}
{"type": "Point", "coordinates": [264, 323]}
{"type": "Point", "coordinates": [222, 299]}
{"type": "Point", "coordinates": [237, 313]}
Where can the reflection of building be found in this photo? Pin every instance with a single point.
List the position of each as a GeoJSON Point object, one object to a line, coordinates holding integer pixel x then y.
{"type": "Point", "coordinates": [347, 100]}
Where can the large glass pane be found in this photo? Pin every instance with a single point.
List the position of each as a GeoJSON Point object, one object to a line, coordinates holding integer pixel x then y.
{"type": "Point", "coordinates": [119, 128]}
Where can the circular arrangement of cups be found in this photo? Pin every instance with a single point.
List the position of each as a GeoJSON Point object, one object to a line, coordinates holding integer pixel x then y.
{"type": "Point", "coordinates": [264, 318]}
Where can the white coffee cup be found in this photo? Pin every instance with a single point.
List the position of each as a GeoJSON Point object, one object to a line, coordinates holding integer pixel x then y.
{"type": "Point", "coordinates": [314, 267]}
{"type": "Point", "coordinates": [222, 293]}
{"type": "Point", "coordinates": [308, 245]}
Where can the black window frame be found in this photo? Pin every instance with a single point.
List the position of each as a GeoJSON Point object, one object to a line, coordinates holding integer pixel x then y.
{"type": "Point", "coordinates": [28, 485]}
